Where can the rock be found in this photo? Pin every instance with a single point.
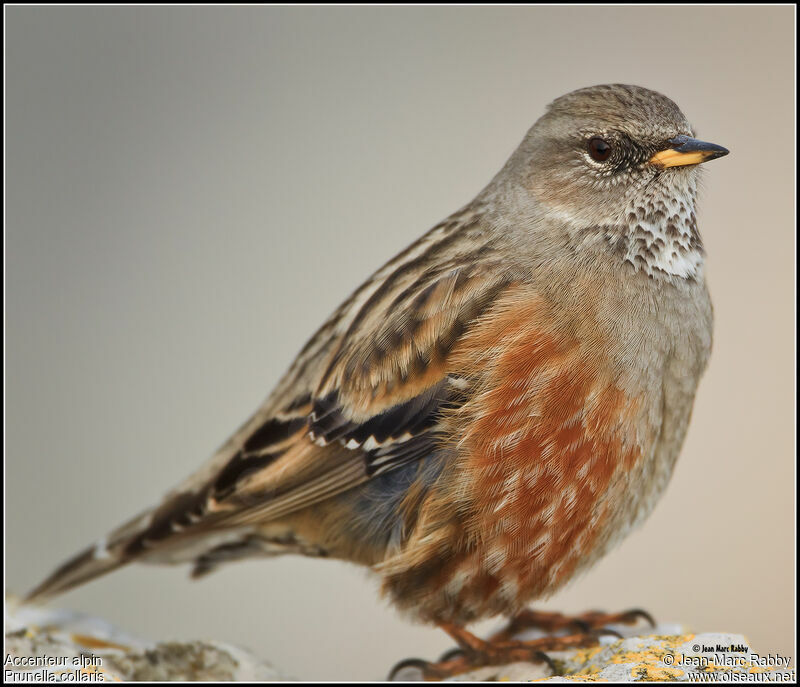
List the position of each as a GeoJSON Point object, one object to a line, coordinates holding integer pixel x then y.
{"type": "Point", "coordinates": [668, 653]}
{"type": "Point", "coordinates": [55, 642]}
{"type": "Point", "coordinates": [62, 645]}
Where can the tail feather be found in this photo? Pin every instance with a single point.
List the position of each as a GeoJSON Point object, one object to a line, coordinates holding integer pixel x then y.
{"type": "Point", "coordinates": [79, 569]}
{"type": "Point", "coordinates": [152, 537]}
{"type": "Point", "coordinates": [106, 555]}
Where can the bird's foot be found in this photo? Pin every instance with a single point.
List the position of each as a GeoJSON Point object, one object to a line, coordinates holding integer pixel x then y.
{"type": "Point", "coordinates": [551, 623]}
{"type": "Point", "coordinates": [473, 652]}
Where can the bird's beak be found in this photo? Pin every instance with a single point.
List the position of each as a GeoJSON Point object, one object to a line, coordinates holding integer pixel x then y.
{"type": "Point", "coordinates": [684, 150]}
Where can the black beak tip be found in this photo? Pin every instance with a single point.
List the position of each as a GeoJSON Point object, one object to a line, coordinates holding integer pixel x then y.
{"type": "Point", "coordinates": [717, 151]}
{"type": "Point", "coordinates": [686, 144]}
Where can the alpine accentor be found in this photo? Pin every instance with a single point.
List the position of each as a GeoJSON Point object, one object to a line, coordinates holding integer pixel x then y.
{"type": "Point", "coordinates": [497, 406]}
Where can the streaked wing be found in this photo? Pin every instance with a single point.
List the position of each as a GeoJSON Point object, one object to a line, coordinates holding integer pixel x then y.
{"type": "Point", "coordinates": [364, 396]}
{"type": "Point", "coordinates": [377, 397]}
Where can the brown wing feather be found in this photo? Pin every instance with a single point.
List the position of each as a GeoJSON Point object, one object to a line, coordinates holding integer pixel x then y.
{"type": "Point", "coordinates": [362, 397]}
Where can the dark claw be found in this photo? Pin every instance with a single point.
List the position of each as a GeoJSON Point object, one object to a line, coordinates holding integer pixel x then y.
{"type": "Point", "coordinates": [635, 613]}
{"type": "Point", "coordinates": [542, 656]}
{"type": "Point", "coordinates": [455, 652]}
{"type": "Point", "coordinates": [420, 664]}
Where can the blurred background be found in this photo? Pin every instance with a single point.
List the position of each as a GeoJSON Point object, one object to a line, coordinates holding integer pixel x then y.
{"type": "Point", "coordinates": [191, 190]}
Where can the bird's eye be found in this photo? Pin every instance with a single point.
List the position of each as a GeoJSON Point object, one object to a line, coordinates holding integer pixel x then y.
{"type": "Point", "coordinates": [599, 149]}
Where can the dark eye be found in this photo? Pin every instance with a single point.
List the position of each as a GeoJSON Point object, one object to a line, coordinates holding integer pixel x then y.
{"type": "Point", "coordinates": [599, 150]}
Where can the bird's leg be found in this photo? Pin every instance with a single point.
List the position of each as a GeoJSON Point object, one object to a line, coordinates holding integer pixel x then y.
{"type": "Point", "coordinates": [556, 622]}
{"type": "Point", "coordinates": [474, 652]}
{"type": "Point", "coordinates": [502, 648]}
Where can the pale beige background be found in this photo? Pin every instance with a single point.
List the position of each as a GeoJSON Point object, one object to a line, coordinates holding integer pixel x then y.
{"type": "Point", "coordinates": [192, 190]}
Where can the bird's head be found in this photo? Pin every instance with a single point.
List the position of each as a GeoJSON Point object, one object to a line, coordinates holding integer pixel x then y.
{"type": "Point", "coordinates": [615, 166]}
{"type": "Point", "coordinates": [598, 151]}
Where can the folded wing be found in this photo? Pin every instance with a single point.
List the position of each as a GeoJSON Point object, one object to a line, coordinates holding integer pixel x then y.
{"type": "Point", "coordinates": [363, 397]}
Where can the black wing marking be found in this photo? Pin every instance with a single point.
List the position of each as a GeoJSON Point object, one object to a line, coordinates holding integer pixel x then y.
{"type": "Point", "coordinates": [398, 435]}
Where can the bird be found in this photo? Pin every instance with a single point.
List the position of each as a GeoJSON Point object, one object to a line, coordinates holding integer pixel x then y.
{"type": "Point", "coordinates": [493, 409]}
